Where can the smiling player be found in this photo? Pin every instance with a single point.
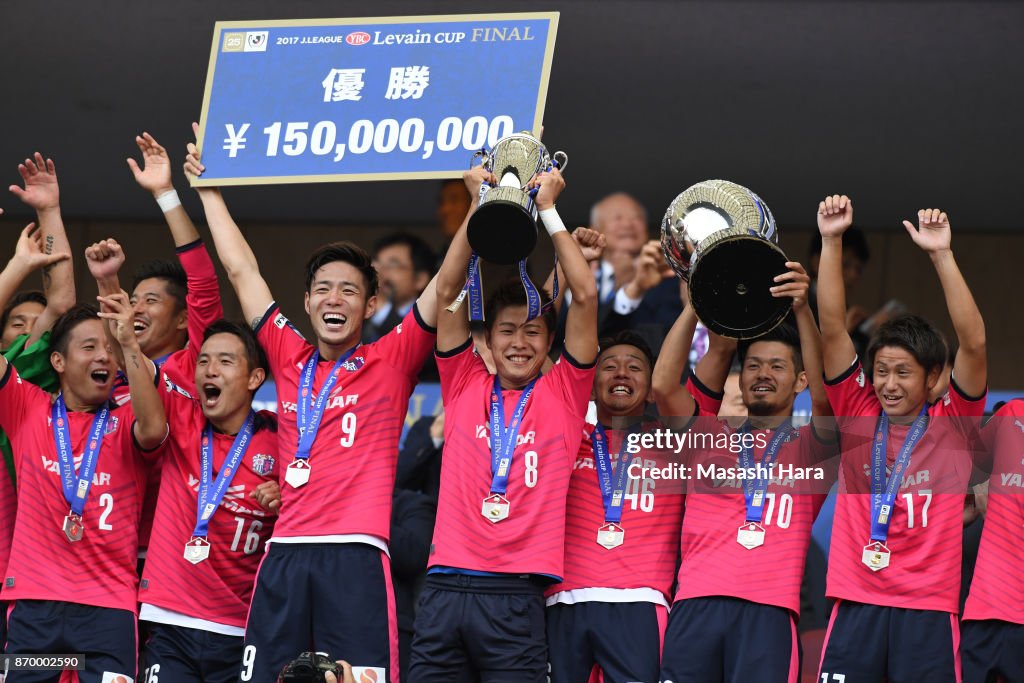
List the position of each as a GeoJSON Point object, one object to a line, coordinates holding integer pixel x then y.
{"type": "Point", "coordinates": [894, 564]}
{"type": "Point", "coordinates": [510, 443]}
{"type": "Point", "coordinates": [224, 455]}
{"type": "Point", "coordinates": [744, 540]}
{"type": "Point", "coordinates": [72, 575]}
{"type": "Point", "coordinates": [342, 408]}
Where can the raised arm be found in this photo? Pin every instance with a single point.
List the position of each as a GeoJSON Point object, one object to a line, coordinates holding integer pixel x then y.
{"type": "Point", "coordinates": [581, 321]}
{"type": "Point", "coordinates": [712, 370]}
{"type": "Point", "coordinates": [592, 244]}
{"type": "Point", "coordinates": [155, 178]}
{"type": "Point", "coordinates": [453, 327]}
{"type": "Point", "coordinates": [203, 299]}
{"type": "Point", "coordinates": [104, 259]}
{"type": "Point", "coordinates": [671, 397]}
{"type": "Point", "coordinates": [150, 428]}
{"type": "Point", "coordinates": [796, 283]}
{"type": "Point", "coordinates": [934, 236]}
{"type": "Point", "coordinates": [835, 216]}
{"type": "Point", "coordinates": [234, 252]}
{"type": "Point", "coordinates": [42, 193]}
{"type": "Point", "coordinates": [651, 270]}
{"type": "Point", "coordinates": [28, 257]}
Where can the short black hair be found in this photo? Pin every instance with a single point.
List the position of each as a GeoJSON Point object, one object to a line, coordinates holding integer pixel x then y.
{"type": "Point", "coordinates": [853, 239]}
{"type": "Point", "coordinates": [346, 252]}
{"type": "Point", "coordinates": [60, 335]}
{"type": "Point", "coordinates": [786, 333]}
{"type": "Point", "coordinates": [422, 255]}
{"type": "Point", "coordinates": [915, 335]}
{"type": "Point", "coordinates": [172, 273]}
{"type": "Point", "coordinates": [31, 295]}
{"type": "Point", "coordinates": [627, 338]}
{"type": "Point", "coordinates": [255, 356]}
{"type": "Point", "coordinates": [511, 293]}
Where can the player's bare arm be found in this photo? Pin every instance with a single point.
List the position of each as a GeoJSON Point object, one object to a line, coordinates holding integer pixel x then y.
{"type": "Point", "coordinates": [592, 244]}
{"type": "Point", "coordinates": [672, 398]}
{"type": "Point", "coordinates": [104, 259]}
{"type": "Point", "coordinates": [150, 428]}
{"type": "Point", "coordinates": [934, 236]}
{"type": "Point", "coordinates": [42, 193]}
{"type": "Point", "coordinates": [155, 177]}
{"type": "Point", "coordinates": [712, 369]}
{"type": "Point", "coordinates": [835, 216]}
{"type": "Point", "coordinates": [453, 327]}
{"type": "Point", "coordinates": [796, 284]}
{"type": "Point", "coordinates": [234, 252]}
{"type": "Point", "coordinates": [581, 321]}
{"type": "Point", "coordinates": [28, 257]}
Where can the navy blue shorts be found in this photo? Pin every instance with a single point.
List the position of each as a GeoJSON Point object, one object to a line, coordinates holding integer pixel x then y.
{"type": "Point", "coordinates": [869, 643]}
{"type": "Point", "coordinates": [105, 636]}
{"type": "Point", "coordinates": [993, 651]}
{"type": "Point", "coordinates": [492, 625]}
{"type": "Point", "coordinates": [321, 597]}
{"type": "Point", "coordinates": [622, 638]}
{"type": "Point", "coordinates": [189, 655]}
{"type": "Point", "coordinates": [731, 640]}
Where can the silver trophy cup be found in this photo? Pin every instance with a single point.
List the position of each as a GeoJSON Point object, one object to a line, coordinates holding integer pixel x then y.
{"type": "Point", "coordinates": [503, 229]}
{"type": "Point", "coordinates": [721, 238]}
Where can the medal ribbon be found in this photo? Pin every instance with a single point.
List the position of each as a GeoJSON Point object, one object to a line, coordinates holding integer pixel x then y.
{"type": "Point", "coordinates": [76, 488]}
{"type": "Point", "coordinates": [883, 491]}
{"type": "Point", "coordinates": [309, 419]}
{"type": "Point", "coordinates": [612, 492]}
{"type": "Point", "coordinates": [754, 489]}
{"type": "Point", "coordinates": [474, 288]}
{"type": "Point", "coordinates": [210, 500]}
{"type": "Point", "coordinates": [503, 439]}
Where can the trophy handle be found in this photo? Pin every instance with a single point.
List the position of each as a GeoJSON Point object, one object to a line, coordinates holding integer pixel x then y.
{"type": "Point", "coordinates": [484, 155]}
{"type": "Point", "coordinates": [479, 154]}
{"type": "Point", "coordinates": [559, 161]}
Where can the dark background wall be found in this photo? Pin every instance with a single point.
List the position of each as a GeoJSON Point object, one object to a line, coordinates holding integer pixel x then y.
{"type": "Point", "coordinates": [899, 104]}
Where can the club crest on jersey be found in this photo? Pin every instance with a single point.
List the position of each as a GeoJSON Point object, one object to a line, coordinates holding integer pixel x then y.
{"type": "Point", "coordinates": [353, 364]}
{"type": "Point", "coordinates": [860, 378]}
{"type": "Point", "coordinates": [262, 464]}
{"type": "Point", "coordinates": [171, 386]}
{"type": "Point", "coordinates": [111, 425]}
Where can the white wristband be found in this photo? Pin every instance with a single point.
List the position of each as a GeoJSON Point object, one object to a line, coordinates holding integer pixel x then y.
{"type": "Point", "coordinates": [168, 200]}
{"type": "Point", "coordinates": [552, 221]}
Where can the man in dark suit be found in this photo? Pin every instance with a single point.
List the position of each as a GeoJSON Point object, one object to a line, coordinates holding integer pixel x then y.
{"type": "Point", "coordinates": [636, 288]}
{"type": "Point", "coordinates": [405, 264]}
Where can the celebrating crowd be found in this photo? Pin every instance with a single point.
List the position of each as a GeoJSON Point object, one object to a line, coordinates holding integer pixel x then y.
{"type": "Point", "coordinates": [541, 525]}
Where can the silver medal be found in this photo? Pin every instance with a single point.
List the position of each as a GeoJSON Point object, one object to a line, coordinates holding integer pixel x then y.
{"type": "Point", "coordinates": [750, 535]}
{"type": "Point", "coordinates": [610, 535]}
{"type": "Point", "coordinates": [73, 527]}
{"type": "Point", "coordinates": [297, 474]}
{"type": "Point", "coordinates": [197, 550]}
{"type": "Point", "coordinates": [876, 556]}
{"type": "Point", "coordinates": [495, 508]}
